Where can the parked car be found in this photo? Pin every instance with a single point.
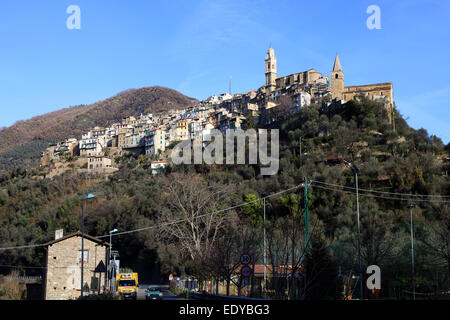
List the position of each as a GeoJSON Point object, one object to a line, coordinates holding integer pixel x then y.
{"type": "Point", "coordinates": [153, 293]}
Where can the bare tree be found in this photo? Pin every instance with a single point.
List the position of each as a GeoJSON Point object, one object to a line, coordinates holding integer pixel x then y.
{"type": "Point", "coordinates": [438, 239]}
{"type": "Point", "coordinates": [190, 218]}
{"type": "Point", "coordinates": [286, 245]}
{"type": "Point", "coordinates": [10, 288]}
{"type": "Point", "coordinates": [224, 259]}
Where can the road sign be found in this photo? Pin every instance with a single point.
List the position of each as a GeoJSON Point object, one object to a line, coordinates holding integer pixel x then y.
{"type": "Point", "coordinates": [246, 271]}
{"type": "Point", "coordinates": [100, 267]}
{"type": "Point", "coordinates": [245, 259]}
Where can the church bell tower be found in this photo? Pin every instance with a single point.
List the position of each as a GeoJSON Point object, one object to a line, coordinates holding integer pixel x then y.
{"type": "Point", "coordinates": [271, 70]}
{"type": "Point", "coordinates": [337, 80]}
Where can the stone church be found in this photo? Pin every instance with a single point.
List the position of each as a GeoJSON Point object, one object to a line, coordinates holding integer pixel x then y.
{"type": "Point", "coordinates": [311, 79]}
{"type": "Point", "coordinates": [377, 91]}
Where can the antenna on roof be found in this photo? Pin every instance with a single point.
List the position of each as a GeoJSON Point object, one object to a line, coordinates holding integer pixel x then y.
{"type": "Point", "coordinates": [230, 86]}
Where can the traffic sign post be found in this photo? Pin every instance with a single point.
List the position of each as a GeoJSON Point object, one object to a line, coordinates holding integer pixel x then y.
{"type": "Point", "coordinates": [245, 259]}
{"type": "Point", "coordinates": [246, 272]}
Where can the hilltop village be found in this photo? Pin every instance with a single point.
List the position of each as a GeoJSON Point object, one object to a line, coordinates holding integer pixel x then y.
{"type": "Point", "coordinates": [152, 134]}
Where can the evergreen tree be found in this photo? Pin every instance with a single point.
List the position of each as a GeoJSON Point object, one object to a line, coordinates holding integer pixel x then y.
{"type": "Point", "coordinates": [321, 274]}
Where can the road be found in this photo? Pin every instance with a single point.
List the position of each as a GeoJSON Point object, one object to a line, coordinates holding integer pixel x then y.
{"type": "Point", "coordinates": [165, 289]}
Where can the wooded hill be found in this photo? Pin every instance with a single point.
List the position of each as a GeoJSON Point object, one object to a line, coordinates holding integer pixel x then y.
{"type": "Point", "coordinates": [23, 142]}
{"type": "Point", "coordinates": [393, 161]}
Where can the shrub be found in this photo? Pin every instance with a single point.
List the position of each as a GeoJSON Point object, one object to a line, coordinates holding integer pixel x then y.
{"type": "Point", "coordinates": [10, 288]}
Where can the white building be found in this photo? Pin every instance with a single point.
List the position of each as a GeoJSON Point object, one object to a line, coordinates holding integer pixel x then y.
{"type": "Point", "coordinates": [155, 141]}
{"type": "Point", "coordinates": [89, 147]}
{"type": "Point", "coordinates": [155, 165]}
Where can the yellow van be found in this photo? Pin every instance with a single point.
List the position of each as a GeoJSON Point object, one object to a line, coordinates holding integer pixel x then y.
{"type": "Point", "coordinates": [127, 284]}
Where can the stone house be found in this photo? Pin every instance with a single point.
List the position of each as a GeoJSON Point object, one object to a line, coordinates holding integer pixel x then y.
{"type": "Point", "coordinates": [62, 280]}
{"type": "Point", "coordinates": [98, 164]}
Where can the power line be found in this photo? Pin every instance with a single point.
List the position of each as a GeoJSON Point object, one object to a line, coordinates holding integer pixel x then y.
{"type": "Point", "coordinates": [384, 192]}
{"type": "Point", "coordinates": [381, 197]}
{"type": "Point", "coordinates": [36, 267]}
{"type": "Point", "coordinates": [23, 247]}
{"type": "Point", "coordinates": [172, 222]}
{"type": "Point", "coordinates": [312, 183]}
{"type": "Point", "coordinates": [203, 215]}
{"type": "Point", "coordinates": [428, 294]}
{"type": "Point", "coordinates": [20, 267]}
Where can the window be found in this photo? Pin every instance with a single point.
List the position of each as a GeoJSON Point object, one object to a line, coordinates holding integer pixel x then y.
{"type": "Point", "coordinates": [85, 256]}
{"type": "Point", "coordinates": [127, 283]}
{"type": "Point", "coordinates": [337, 76]}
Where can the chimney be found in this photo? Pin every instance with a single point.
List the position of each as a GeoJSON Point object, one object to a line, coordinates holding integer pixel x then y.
{"type": "Point", "coordinates": [59, 234]}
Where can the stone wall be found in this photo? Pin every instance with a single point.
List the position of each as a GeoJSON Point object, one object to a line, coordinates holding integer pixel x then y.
{"type": "Point", "coordinates": [63, 280]}
{"type": "Point", "coordinates": [306, 77]}
{"type": "Point", "coordinates": [374, 92]}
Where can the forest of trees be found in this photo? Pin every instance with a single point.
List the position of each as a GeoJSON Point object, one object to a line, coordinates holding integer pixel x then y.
{"type": "Point", "coordinates": [401, 164]}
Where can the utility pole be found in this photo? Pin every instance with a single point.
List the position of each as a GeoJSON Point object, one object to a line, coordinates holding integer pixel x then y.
{"type": "Point", "coordinates": [306, 216]}
{"type": "Point", "coordinates": [265, 262]}
{"type": "Point", "coordinates": [411, 206]}
{"type": "Point", "coordinates": [113, 276]}
{"type": "Point", "coordinates": [82, 247]}
{"type": "Point", "coordinates": [355, 171]}
{"type": "Point", "coordinates": [110, 250]}
{"type": "Point", "coordinates": [300, 152]}
{"type": "Point", "coordinates": [89, 196]}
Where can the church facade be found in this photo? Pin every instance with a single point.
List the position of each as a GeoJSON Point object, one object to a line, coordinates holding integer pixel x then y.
{"type": "Point", "coordinates": [316, 84]}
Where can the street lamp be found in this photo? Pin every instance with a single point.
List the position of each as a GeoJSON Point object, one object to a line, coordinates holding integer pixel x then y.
{"type": "Point", "coordinates": [410, 207]}
{"type": "Point", "coordinates": [264, 195]}
{"type": "Point", "coordinates": [89, 196]}
{"type": "Point", "coordinates": [355, 172]}
{"type": "Point", "coordinates": [110, 248]}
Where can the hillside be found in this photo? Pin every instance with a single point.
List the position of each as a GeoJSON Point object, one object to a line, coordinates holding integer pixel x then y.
{"type": "Point", "coordinates": [392, 163]}
{"type": "Point", "coordinates": [74, 121]}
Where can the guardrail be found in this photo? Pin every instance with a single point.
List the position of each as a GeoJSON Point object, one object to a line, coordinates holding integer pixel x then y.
{"type": "Point", "coordinates": [27, 279]}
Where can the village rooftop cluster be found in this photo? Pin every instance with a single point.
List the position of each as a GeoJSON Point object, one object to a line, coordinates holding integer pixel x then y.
{"type": "Point", "coordinates": [152, 134]}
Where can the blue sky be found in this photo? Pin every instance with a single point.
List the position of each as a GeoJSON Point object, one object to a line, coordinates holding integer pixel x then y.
{"type": "Point", "coordinates": [196, 46]}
